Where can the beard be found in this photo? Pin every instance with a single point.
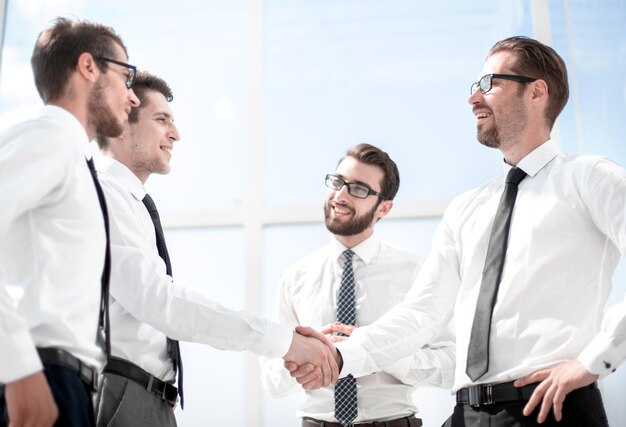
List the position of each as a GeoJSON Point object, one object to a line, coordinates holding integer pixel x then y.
{"type": "Point", "coordinates": [100, 114]}
{"type": "Point", "coordinates": [508, 126]}
{"type": "Point", "coordinates": [354, 226]}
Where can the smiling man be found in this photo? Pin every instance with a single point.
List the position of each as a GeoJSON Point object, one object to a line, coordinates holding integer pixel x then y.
{"type": "Point", "coordinates": [149, 311]}
{"type": "Point", "coordinates": [524, 261]}
{"type": "Point", "coordinates": [351, 282]}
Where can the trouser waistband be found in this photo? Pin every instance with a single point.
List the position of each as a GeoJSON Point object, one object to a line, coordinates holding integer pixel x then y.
{"type": "Point", "coordinates": [126, 369]}
{"type": "Point", "coordinates": [492, 394]}
{"type": "Point", "coordinates": [58, 357]}
{"type": "Point", "coordinates": [410, 421]}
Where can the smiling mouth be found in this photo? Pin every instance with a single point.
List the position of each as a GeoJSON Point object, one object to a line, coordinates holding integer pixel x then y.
{"type": "Point", "coordinates": [341, 210]}
{"type": "Point", "coordinates": [168, 150]}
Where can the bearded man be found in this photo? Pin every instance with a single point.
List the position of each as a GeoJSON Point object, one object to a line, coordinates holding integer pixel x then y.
{"type": "Point", "coordinates": [350, 282]}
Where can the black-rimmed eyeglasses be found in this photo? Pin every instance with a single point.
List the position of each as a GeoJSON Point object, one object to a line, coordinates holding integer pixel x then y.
{"type": "Point", "coordinates": [484, 84]}
{"type": "Point", "coordinates": [357, 190]}
{"type": "Point", "coordinates": [132, 70]}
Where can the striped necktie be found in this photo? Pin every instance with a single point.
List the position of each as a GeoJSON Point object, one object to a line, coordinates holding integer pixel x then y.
{"type": "Point", "coordinates": [345, 389]}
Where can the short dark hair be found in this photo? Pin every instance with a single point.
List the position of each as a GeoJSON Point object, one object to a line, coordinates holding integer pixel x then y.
{"type": "Point", "coordinates": [57, 50]}
{"type": "Point", "coordinates": [532, 58]}
{"type": "Point", "coordinates": [144, 82]}
{"type": "Point", "coordinates": [372, 155]}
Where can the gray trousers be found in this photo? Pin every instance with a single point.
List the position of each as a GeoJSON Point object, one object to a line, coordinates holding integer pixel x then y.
{"type": "Point", "coordinates": [122, 402]}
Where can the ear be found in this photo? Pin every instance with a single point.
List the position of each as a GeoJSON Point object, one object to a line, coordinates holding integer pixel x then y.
{"type": "Point", "coordinates": [383, 208]}
{"type": "Point", "coordinates": [539, 93]}
{"type": "Point", "coordinates": [87, 68]}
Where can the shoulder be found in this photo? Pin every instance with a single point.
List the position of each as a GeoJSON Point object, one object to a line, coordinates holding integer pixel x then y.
{"type": "Point", "coordinates": [38, 137]}
{"type": "Point", "coordinates": [588, 171]}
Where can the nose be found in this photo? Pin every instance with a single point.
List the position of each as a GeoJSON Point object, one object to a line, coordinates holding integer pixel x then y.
{"type": "Point", "coordinates": [173, 134]}
{"type": "Point", "coordinates": [342, 193]}
{"type": "Point", "coordinates": [475, 97]}
{"type": "Point", "coordinates": [134, 101]}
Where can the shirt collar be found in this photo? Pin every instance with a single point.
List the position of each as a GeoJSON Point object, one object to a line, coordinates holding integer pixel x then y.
{"type": "Point", "coordinates": [366, 250]}
{"type": "Point", "coordinates": [68, 120]}
{"type": "Point", "coordinates": [536, 159]}
{"type": "Point", "coordinates": [121, 172]}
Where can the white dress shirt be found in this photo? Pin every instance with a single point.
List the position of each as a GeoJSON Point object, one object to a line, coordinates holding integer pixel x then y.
{"type": "Point", "coordinates": [308, 296]}
{"type": "Point", "coordinates": [146, 306]}
{"type": "Point", "coordinates": [567, 232]}
{"type": "Point", "coordinates": [52, 244]}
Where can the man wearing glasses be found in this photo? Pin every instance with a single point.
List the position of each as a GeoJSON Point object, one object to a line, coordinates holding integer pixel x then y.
{"type": "Point", "coordinates": [350, 282]}
{"type": "Point", "coordinates": [53, 230]}
{"type": "Point", "coordinates": [526, 263]}
{"type": "Point", "coordinates": [150, 311]}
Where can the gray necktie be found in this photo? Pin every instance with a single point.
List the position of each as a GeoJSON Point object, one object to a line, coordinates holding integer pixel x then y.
{"type": "Point", "coordinates": [345, 389]}
{"type": "Point", "coordinates": [173, 348]}
{"type": "Point", "coordinates": [478, 350]}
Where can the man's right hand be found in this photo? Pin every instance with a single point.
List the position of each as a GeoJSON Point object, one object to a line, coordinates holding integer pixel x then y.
{"type": "Point", "coordinates": [29, 402]}
{"type": "Point", "coordinates": [311, 359]}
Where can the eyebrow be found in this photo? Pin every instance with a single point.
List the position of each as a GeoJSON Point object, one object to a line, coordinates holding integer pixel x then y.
{"type": "Point", "coordinates": [354, 182]}
{"type": "Point", "coordinates": [163, 113]}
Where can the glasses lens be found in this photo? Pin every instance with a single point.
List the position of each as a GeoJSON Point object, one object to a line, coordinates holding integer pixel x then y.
{"type": "Point", "coordinates": [130, 81]}
{"type": "Point", "coordinates": [358, 190]}
{"type": "Point", "coordinates": [485, 83]}
{"type": "Point", "coordinates": [474, 88]}
{"type": "Point", "coordinates": [334, 182]}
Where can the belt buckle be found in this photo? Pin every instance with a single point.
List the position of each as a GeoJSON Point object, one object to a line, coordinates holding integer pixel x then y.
{"type": "Point", "coordinates": [479, 395]}
{"type": "Point", "coordinates": [87, 373]}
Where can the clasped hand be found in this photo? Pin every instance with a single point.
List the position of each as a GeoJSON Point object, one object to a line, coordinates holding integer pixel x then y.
{"type": "Point", "coordinates": [312, 358]}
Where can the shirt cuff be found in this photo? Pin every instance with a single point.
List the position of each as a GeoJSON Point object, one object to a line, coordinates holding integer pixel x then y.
{"type": "Point", "coordinates": [353, 357]}
{"type": "Point", "coordinates": [600, 357]}
{"type": "Point", "coordinates": [276, 340]}
{"type": "Point", "coordinates": [22, 360]}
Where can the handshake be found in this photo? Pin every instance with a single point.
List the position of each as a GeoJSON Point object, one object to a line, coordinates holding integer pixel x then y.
{"type": "Point", "coordinates": [312, 358]}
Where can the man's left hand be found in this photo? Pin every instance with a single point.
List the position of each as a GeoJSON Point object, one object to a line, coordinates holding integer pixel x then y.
{"type": "Point", "coordinates": [555, 383]}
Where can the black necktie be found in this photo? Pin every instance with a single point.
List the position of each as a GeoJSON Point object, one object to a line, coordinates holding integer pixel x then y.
{"type": "Point", "coordinates": [103, 337]}
{"type": "Point", "coordinates": [478, 350]}
{"type": "Point", "coordinates": [173, 348]}
{"type": "Point", "coordinates": [345, 390]}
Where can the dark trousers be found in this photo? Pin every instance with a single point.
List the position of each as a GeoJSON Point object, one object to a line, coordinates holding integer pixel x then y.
{"type": "Point", "coordinates": [71, 395]}
{"type": "Point", "coordinates": [582, 408]}
{"type": "Point", "coordinates": [122, 402]}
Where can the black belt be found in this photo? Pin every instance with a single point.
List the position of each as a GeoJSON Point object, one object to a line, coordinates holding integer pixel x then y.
{"type": "Point", "coordinates": [492, 394]}
{"type": "Point", "coordinates": [56, 356]}
{"type": "Point", "coordinates": [121, 367]}
{"type": "Point", "coordinates": [398, 422]}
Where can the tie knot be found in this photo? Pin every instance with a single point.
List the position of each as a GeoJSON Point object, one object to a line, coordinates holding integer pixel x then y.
{"type": "Point", "coordinates": [149, 203]}
{"type": "Point", "coordinates": [515, 176]}
{"type": "Point", "coordinates": [347, 255]}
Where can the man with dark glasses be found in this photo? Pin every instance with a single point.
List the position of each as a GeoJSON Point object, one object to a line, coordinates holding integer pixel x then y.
{"type": "Point", "coordinates": [53, 228]}
{"type": "Point", "coordinates": [351, 282]}
{"type": "Point", "coordinates": [524, 262]}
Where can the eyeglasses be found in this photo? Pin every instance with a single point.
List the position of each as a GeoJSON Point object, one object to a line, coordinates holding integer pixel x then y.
{"type": "Point", "coordinates": [357, 190]}
{"type": "Point", "coordinates": [484, 84]}
{"type": "Point", "coordinates": [132, 70]}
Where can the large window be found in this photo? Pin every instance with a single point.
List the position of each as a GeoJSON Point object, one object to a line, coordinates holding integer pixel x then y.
{"type": "Point", "coordinates": [267, 97]}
